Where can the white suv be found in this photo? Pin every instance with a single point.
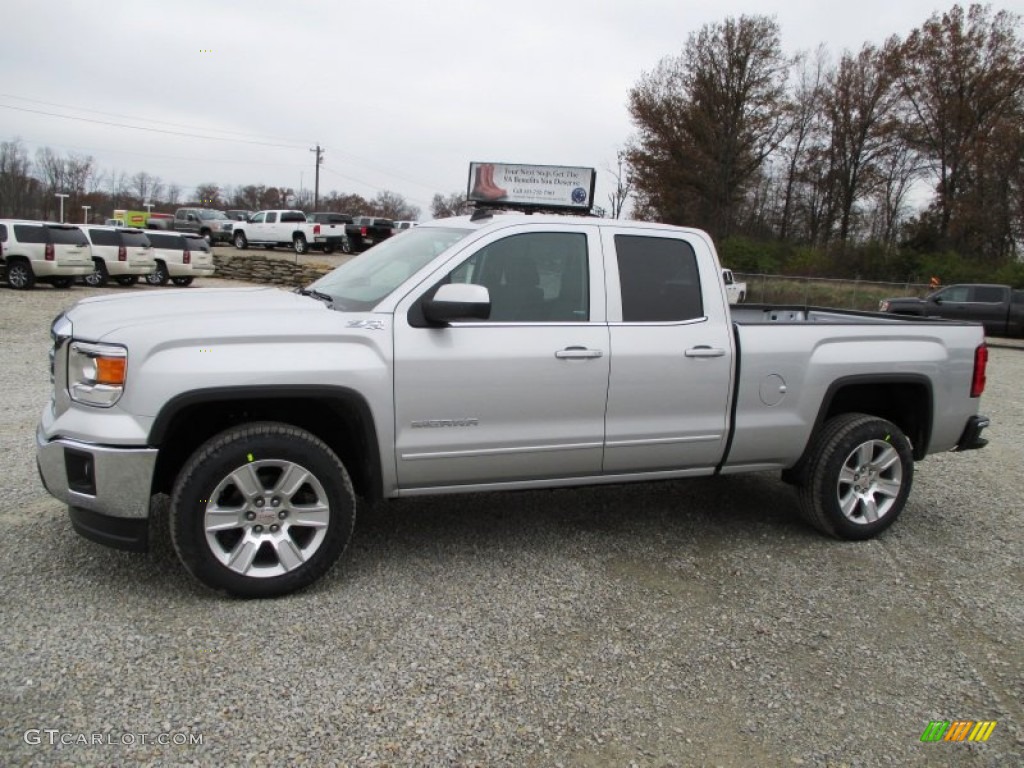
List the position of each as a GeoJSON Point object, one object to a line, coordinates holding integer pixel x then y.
{"type": "Point", "coordinates": [39, 250]}
{"type": "Point", "coordinates": [121, 253]}
{"type": "Point", "coordinates": [180, 257]}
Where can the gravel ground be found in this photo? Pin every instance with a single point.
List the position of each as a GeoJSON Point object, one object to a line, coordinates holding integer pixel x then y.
{"type": "Point", "coordinates": [694, 623]}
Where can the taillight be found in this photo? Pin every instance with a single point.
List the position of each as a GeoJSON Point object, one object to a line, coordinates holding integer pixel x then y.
{"type": "Point", "coordinates": [186, 257]}
{"type": "Point", "coordinates": [980, 364]}
{"type": "Point", "coordinates": [362, 231]}
{"type": "Point", "coordinates": [316, 229]}
{"type": "Point", "coordinates": [49, 254]}
{"type": "Point", "coordinates": [122, 253]}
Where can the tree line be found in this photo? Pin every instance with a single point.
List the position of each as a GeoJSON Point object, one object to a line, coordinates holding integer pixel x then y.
{"type": "Point", "coordinates": [28, 189]}
{"type": "Point", "coordinates": [897, 157]}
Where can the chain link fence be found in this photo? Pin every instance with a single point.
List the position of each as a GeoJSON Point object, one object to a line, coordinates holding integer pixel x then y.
{"type": "Point", "coordinates": [824, 292]}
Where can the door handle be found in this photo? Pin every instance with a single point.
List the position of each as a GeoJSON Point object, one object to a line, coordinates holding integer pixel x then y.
{"type": "Point", "coordinates": [704, 351]}
{"type": "Point", "coordinates": [578, 353]}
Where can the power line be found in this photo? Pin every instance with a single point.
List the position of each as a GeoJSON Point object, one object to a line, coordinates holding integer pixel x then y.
{"type": "Point", "coordinates": [150, 130]}
{"type": "Point", "coordinates": [131, 117]}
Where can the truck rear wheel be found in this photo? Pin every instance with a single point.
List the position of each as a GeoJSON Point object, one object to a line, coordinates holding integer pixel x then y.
{"type": "Point", "coordinates": [20, 275]}
{"type": "Point", "coordinates": [261, 510]}
{"type": "Point", "coordinates": [858, 477]}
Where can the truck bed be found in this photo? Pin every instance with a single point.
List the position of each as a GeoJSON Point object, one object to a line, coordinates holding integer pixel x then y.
{"type": "Point", "coordinates": [760, 314]}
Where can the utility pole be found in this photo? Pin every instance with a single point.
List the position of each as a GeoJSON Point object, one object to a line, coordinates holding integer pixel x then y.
{"type": "Point", "coordinates": [85, 213]}
{"type": "Point", "coordinates": [316, 189]}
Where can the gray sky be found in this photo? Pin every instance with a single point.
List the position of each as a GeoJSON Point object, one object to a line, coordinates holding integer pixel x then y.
{"type": "Point", "coordinates": [402, 93]}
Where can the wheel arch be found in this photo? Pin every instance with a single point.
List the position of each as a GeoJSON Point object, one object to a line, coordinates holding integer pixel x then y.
{"type": "Point", "coordinates": [904, 399]}
{"type": "Point", "coordinates": [339, 416]}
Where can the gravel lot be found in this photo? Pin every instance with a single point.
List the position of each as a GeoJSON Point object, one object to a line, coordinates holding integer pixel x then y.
{"type": "Point", "coordinates": [680, 624]}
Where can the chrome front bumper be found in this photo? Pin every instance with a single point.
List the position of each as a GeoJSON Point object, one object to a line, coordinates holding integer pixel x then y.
{"type": "Point", "coordinates": [111, 481]}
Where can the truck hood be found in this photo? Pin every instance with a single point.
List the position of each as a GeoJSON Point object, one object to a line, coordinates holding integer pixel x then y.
{"type": "Point", "coordinates": [96, 318]}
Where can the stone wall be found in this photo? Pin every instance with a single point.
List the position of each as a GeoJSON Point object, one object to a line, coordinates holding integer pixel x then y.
{"type": "Point", "coordinates": [261, 269]}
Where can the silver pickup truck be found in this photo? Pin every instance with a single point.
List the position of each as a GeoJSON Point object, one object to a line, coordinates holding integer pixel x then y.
{"type": "Point", "coordinates": [481, 354]}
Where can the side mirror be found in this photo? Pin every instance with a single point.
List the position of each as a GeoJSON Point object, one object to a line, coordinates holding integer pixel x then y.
{"type": "Point", "coordinates": [458, 301]}
{"type": "Point", "coordinates": [937, 299]}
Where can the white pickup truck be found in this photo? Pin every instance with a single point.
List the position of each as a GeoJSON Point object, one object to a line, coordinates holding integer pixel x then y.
{"type": "Point", "coordinates": [481, 353]}
{"type": "Point", "coordinates": [288, 228]}
{"type": "Point", "coordinates": [735, 291]}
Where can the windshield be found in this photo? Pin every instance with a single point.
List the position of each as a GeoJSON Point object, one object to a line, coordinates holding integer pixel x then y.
{"type": "Point", "coordinates": [361, 283]}
{"type": "Point", "coordinates": [207, 215]}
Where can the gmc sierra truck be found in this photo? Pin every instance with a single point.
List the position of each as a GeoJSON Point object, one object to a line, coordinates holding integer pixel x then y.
{"type": "Point", "coordinates": [483, 353]}
{"type": "Point", "coordinates": [999, 308]}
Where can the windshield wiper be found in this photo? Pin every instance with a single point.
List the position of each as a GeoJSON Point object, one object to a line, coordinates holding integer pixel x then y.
{"type": "Point", "coordinates": [324, 297]}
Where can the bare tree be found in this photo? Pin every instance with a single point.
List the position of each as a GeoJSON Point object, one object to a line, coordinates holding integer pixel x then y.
{"type": "Point", "coordinates": [15, 179]}
{"type": "Point", "coordinates": [961, 79]}
{"type": "Point", "coordinates": [707, 120]}
{"type": "Point", "coordinates": [173, 195]}
{"type": "Point", "coordinates": [860, 107]}
{"type": "Point", "coordinates": [454, 204]}
{"type": "Point", "coordinates": [208, 195]}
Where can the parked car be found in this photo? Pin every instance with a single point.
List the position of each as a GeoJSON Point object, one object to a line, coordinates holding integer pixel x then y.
{"type": "Point", "coordinates": [180, 258]}
{"type": "Point", "coordinates": [213, 225]}
{"type": "Point", "coordinates": [737, 292]}
{"type": "Point", "coordinates": [122, 253]}
{"type": "Point", "coordinates": [482, 354]}
{"type": "Point", "coordinates": [401, 225]}
{"type": "Point", "coordinates": [999, 308]}
{"type": "Point", "coordinates": [286, 228]}
{"type": "Point", "coordinates": [33, 251]}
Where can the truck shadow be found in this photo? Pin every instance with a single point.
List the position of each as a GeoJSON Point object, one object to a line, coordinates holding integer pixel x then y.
{"type": "Point", "coordinates": [402, 537]}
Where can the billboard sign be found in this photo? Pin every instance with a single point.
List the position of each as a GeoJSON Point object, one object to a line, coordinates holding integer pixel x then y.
{"type": "Point", "coordinates": [532, 186]}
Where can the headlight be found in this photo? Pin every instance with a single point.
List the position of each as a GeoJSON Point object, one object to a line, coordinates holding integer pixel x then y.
{"type": "Point", "coordinates": [96, 373]}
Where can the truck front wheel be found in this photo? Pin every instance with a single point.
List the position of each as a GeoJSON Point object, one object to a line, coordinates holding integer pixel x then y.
{"type": "Point", "coordinates": [240, 242]}
{"type": "Point", "coordinates": [261, 510]}
{"type": "Point", "coordinates": [300, 244]}
{"type": "Point", "coordinates": [857, 478]}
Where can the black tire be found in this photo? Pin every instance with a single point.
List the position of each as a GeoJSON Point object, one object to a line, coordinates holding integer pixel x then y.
{"type": "Point", "coordinates": [99, 276]}
{"type": "Point", "coordinates": [241, 243]}
{"type": "Point", "coordinates": [20, 275]}
{"type": "Point", "coordinates": [328, 249]}
{"type": "Point", "coordinates": [234, 478]}
{"type": "Point", "coordinates": [861, 464]}
{"type": "Point", "coordinates": [300, 245]}
{"type": "Point", "coordinates": [160, 276]}
{"type": "Point", "coordinates": [346, 246]}
{"type": "Point", "coordinates": [62, 282]}
{"type": "Point", "coordinates": [127, 281]}
{"type": "Point", "coordinates": [742, 298]}
{"type": "Point", "coordinates": [182, 282]}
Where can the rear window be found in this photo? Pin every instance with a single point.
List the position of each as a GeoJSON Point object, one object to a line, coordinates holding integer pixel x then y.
{"type": "Point", "coordinates": [160, 240]}
{"type": "Point", "coordinates": [196, 244]}
{"type": "Point", "coordinates": [135, 239]}
{"type": "Point", "coordinates": [30, 233]}
{"type": "Point", "coordinates": [67, 236]}
{"type": "Point", "coordinates": [103, 237]}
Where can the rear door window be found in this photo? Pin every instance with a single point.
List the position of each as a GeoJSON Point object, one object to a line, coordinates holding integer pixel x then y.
{"type": "Point", "coordinates": [3, 233]}
{"type": "Point", "coordinates": [30, 233]}
{"type": "Point", "coordinates": [271, 218]}
{"type": "Point", "coordinates": [658, 278]}
{"type": "Point", "coordinates": [988, 293]}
